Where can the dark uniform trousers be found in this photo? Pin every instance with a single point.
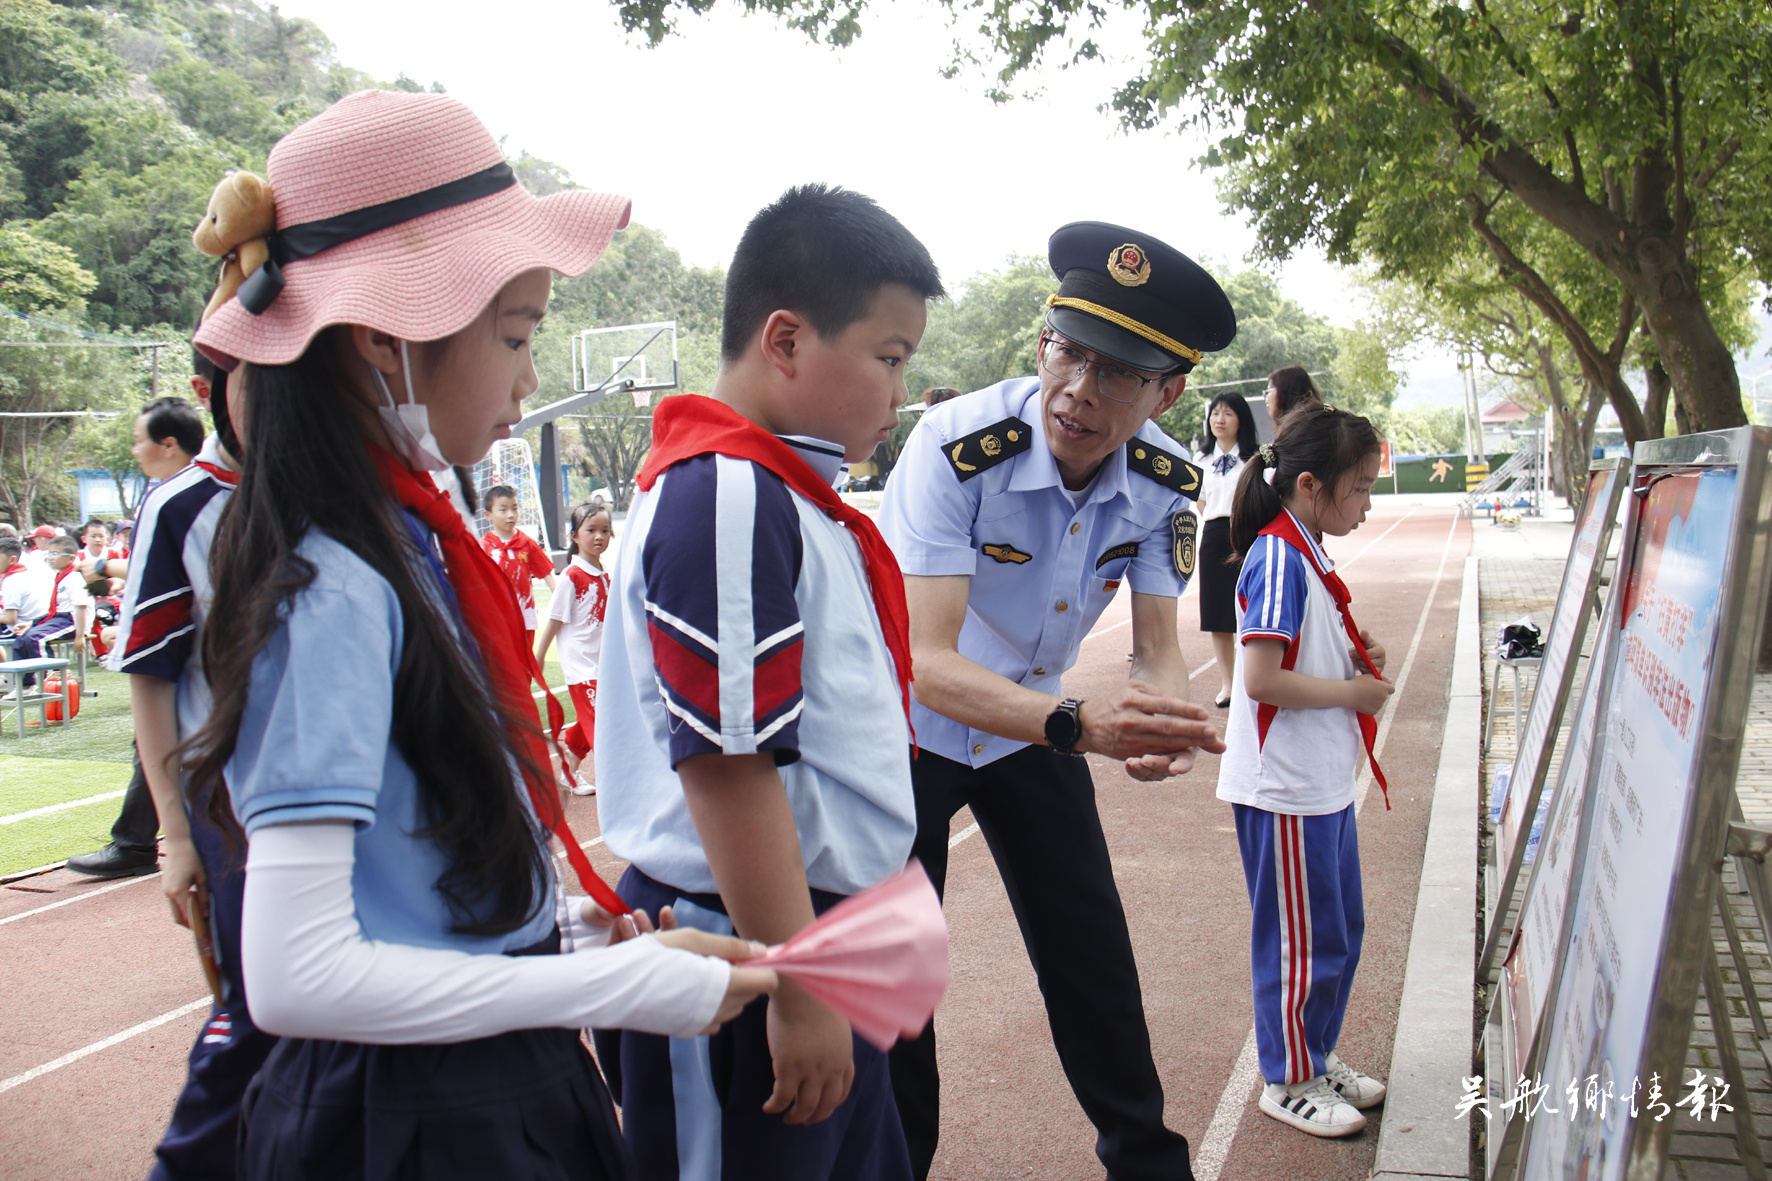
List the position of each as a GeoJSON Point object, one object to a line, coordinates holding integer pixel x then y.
{"type": "Point", "coordinates": [1036, 810]}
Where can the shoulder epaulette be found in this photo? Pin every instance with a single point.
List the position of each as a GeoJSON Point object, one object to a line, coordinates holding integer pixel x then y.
{"type": "Point", "coordinates": [985, 449]}
{"type": "Point", "coordinates": [1171, 471]}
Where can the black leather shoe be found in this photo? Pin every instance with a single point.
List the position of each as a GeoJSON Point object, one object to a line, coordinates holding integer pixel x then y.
{"type": "Point", "coordinates": [114, 861]}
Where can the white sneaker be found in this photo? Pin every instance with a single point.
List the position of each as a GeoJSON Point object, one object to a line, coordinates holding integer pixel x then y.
{"type": "Point", "coordinates": [582, 786]}
{"type": "Point", "coordinates": [1313, 1107]}
{"type": "Point", "coordinates": [1358, 1090]}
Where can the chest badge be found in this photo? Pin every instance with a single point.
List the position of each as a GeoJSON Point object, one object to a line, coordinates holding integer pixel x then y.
{"type": "Point", "coordinates": [1182, 530]}
{"type": "Point", "coordinates": [1126, 549]}
{"type": "Point", "coordinates": [1006, 553]}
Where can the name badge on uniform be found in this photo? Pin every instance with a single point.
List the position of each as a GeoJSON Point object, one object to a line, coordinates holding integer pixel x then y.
{"type": "Point", "coordinates": [1182, 528]}
{"type": "Point", "coordinates": [1126, 549]}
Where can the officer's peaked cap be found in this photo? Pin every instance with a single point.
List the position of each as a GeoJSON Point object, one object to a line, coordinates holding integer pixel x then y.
{"type": "Point", "coordinates": [1136, 299]}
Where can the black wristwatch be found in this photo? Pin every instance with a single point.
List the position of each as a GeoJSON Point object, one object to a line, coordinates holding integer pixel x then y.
{"type": "Point", "coordinates": [1064, 727]}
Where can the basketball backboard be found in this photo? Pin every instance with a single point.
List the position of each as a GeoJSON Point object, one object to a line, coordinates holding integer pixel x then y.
{"type": "Point", "coordinates": [638, 358]}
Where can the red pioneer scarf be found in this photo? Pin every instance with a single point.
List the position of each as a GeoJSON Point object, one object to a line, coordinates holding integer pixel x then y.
{"type": "Point", "coordinates": [685, 427]}
{"type": "Point", "coordinates": [489, 611]}
{"type": "Point", "coordinates": [56, 586]}
{"type": "Point", "coordinates": [1286, 529]}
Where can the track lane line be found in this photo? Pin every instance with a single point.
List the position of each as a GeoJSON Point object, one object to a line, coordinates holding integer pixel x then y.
{"type": "Point", "coordinates": [102, 1044]}
{"type": "Point", "coordinates": [1233, 1103]}
{"type": "Point", "coordinates": [25, 914]}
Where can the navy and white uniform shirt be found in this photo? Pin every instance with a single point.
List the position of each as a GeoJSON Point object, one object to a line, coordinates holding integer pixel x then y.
{"type": "Point", "coordinates": [167, 593]}
{"type": "Point", "coordinates": [977, 492]}
{"type": "Point", "coordinates": [1300, 762]}
{"type": "Point", "coordinates": [741, 622]}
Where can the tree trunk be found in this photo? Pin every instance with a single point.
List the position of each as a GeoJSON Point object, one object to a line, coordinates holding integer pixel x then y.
{"type": "Point", "coordinates": [1655, 406]}
{"type": "Point", "coordinates": [1700, 365]}
{"type": "Point", "coordinates": [1643, 249]}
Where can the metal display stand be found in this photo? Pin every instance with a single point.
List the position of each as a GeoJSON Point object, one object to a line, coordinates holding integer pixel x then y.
{"type": "Point", "coordinates": [1550, 696]}
{"type": "Point", "coordinates": [1634, 944]}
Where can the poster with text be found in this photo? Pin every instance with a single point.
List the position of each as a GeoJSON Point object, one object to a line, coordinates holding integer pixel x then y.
{"type": "Point", "coordinates": [1599, 1011]}
{"type": "Point", "coordinates": [1560, 648]}
{"type": "Point", "coordinates": [1533, 959]}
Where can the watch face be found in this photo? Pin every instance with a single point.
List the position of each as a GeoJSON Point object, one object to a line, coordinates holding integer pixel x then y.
{"type": "Point", "coordinates": [1062, 728]}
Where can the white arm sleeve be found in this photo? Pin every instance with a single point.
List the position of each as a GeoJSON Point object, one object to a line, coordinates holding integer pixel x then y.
{"type": "Point", "coordinates": [311, 973]}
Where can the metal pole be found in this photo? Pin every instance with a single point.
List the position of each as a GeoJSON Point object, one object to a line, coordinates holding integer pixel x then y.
{"type": "Point", "coordinates": [548, 480]}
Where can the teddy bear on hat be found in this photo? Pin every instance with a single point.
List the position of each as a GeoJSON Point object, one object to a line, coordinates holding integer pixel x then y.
{"type": "Point", "coordinates": [241, 214]}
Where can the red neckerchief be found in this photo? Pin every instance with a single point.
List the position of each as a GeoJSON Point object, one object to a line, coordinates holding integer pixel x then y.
{"type": "Point", "coordinates": [226, 475]}
{"type": "Point", "coordinates": [489, 612]}
{"type": "Point", "coordinates": [1286, 529]}
{"type": "Point", "coordinates": [685, 427]}
{"type": "Point", "coordinates": [56, 586]}
{"type": "Point", "coordinates": [15, 568]}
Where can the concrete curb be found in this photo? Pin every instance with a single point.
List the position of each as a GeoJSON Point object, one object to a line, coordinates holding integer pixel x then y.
{"type": "Point", "coordinates": [1419, 1135]}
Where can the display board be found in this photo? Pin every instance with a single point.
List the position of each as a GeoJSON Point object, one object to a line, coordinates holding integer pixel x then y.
{"type": "Point", "coordinates": [1556, 674]}
{"type": "Point", "coordinates": [1671, 699]}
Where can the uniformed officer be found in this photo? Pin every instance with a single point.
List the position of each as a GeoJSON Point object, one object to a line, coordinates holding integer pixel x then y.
{"type": "Point", "coordinates": [1016, 512]}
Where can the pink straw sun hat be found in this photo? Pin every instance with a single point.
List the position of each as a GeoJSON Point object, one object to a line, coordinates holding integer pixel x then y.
{"type": "Point", "coordinates": [397, 211]}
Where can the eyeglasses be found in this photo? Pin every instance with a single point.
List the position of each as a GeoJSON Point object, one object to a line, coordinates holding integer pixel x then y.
{"type": "Point", "coordinates": [1067, 363]}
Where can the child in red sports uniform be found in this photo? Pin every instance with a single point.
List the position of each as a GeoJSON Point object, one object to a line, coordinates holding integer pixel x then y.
{"type": "Point", "coordinates": [517, 554]}
{"type": "Point", "coordinates": [576, 616]}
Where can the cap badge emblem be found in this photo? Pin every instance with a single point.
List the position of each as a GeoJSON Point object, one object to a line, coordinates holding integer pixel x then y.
{"type": "Point", "coordinates": [991, 445]}
{"type": "Point", "coordinates": [1129, 265]}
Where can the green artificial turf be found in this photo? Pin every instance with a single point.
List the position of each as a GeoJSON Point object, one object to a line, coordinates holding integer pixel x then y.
{"type": "Point", "coordinates": [56, 764]}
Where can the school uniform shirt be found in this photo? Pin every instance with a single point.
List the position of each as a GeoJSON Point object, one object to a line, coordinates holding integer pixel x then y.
{"type": "Point", "coordinates": [167, 593]}
{"type": "Point", "coordinates": [523, 561]}
{"type": "Point", "coordinates": [67, 591]}
{"type": "Point", "coordinates": [316, 744]}
{"type": "Point", "coordinates": [1218, 482]}
{"type": "Point", "coordinates": [580, 603]}
{"type": "Point", "coordinates": [1301, 762]}
{"type": "Point", "coordinates": [25, 591]}
{"type": "Point", "coordinates": [741, 621]}
{"type": "Point", "coordinates": [977, 492]}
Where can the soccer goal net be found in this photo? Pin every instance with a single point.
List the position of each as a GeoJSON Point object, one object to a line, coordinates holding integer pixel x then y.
{"type": "Point", "coordinates": [511, 464]}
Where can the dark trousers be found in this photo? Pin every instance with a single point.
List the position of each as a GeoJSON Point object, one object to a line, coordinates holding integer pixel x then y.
{"type": "Point", "coordinates": [30, 645]}
{"type": "Point", "coordinates": [202, 1138]}
{"type": "Point", "coordinates": [692, 1108]}
{"type": "Point", "coordinates": [1036, 811]}
{"type": "Point", "coordinates": [137, 827]}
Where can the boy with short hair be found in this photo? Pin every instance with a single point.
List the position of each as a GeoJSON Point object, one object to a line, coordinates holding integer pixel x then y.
{"type": "Point", "coordinates": [21, 589]}
{"type": "Point", "coordinates": [751, 729]}
{"type": "Point", "coordinates": [521, 558]}
{"type": "Point", "coordinates": [69, 606]}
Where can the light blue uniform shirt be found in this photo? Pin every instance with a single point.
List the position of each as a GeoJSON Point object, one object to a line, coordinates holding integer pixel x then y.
{"type": "Point", "coordinates": [1043, 569]}
{"type": "Point", "coordinates": [316, 743]}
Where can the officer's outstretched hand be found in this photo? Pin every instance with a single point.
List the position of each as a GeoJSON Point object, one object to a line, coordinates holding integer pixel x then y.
{"type": "Point", "coordinates": [1155, 733]}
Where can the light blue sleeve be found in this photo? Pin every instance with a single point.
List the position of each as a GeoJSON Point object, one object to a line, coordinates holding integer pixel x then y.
{"type": "Point", "coordinates": [1153, 570]}
{"type": "Point", "coordinates": [315, 737]}
{"type": "Point", "coordinates": [1273, 588]}
{"type": "Point", "coordinates": [926, 512]}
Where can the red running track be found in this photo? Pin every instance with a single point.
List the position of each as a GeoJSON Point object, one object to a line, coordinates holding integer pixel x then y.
{"type": "Point", "coordinates": [76, 976]}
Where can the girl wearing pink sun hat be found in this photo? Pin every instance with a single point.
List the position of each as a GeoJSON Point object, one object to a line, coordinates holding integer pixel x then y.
{"type": "Point", "coordinates": [403, 927]}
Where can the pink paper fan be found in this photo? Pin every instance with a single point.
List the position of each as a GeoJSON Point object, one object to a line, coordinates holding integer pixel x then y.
{"type": "Point", "coordinates": [879, 958]}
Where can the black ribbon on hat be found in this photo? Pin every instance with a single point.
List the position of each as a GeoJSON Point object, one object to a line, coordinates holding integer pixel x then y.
{"type": "Point", "coordinates": [261, 288]}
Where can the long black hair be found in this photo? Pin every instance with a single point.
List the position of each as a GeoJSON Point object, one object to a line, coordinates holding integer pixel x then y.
{"type": "Point", "coordinates": [1246, 442]}
{"type": "Point", "coordinates": [1321, 440]}
{"type": "Point", "coordinates": [1293, 388]}
{"type": "Point", "coordinates": [306, 467]}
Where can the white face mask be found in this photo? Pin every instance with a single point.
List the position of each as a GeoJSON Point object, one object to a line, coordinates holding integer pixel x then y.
{"type": "Point", "coordinates": [408, 423]}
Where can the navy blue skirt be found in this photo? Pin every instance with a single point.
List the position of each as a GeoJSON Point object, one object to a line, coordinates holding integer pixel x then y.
{"type": "Point", "coordinates": [524, 1106]}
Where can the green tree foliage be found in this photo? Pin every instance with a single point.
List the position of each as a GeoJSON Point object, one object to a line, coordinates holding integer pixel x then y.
{"type": "Point", "coordinates": [1640, 134]}
{"type": "Point", "coordinates": [37, 275]}
{"type": "Point", "coordinates": [1427, 430]}
{"type": "Point", "coordinates": [987, 332]}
